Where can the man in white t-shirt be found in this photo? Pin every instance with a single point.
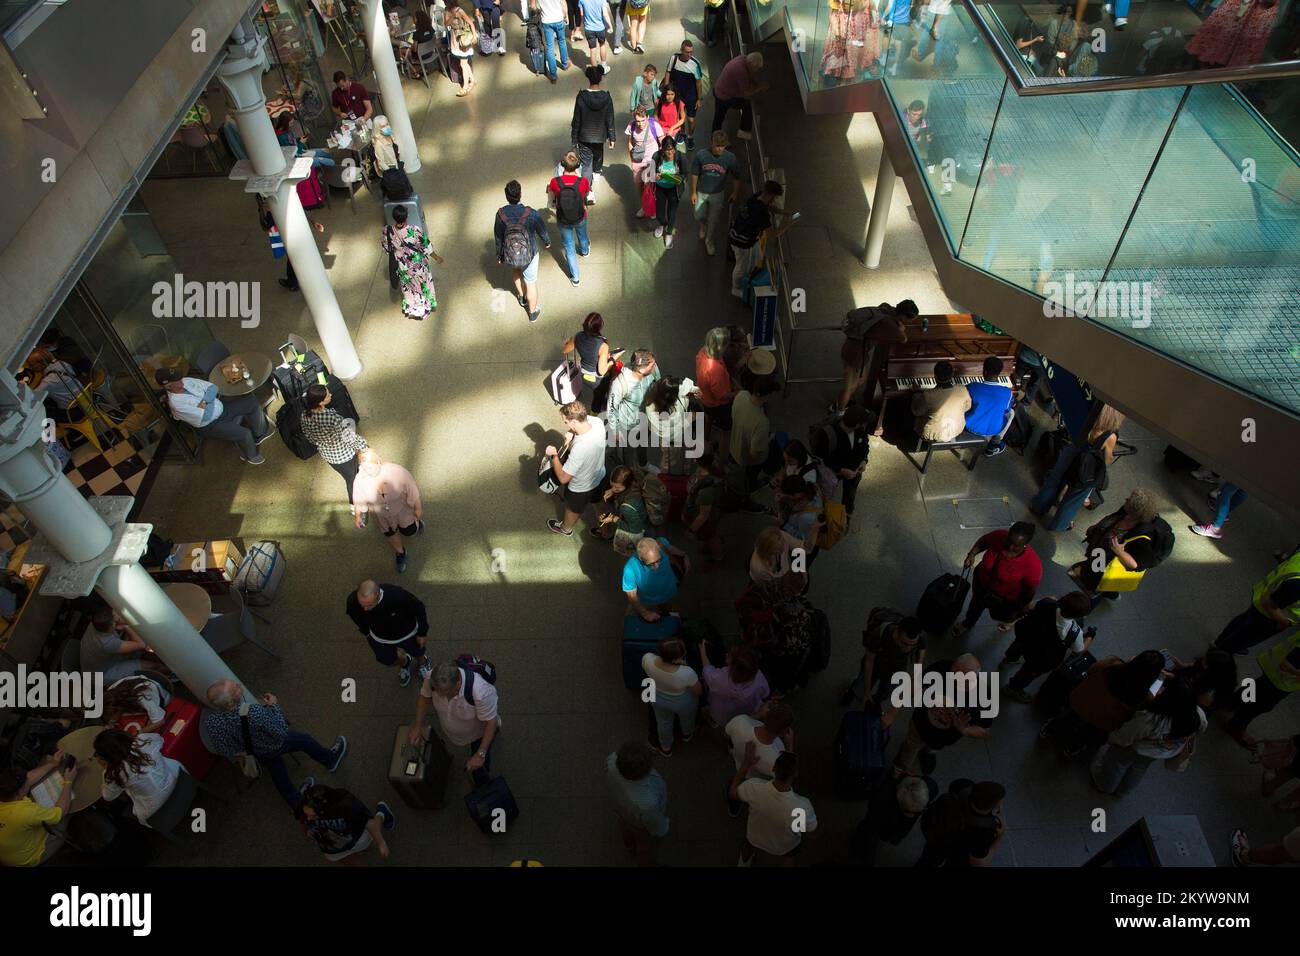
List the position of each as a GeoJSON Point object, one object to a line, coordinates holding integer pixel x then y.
{"type": "Point", "coordinates": [771, 734]}
{"type": "Point", "coordinates": [466, 705]}
{"type": "Point", "coordinates": [778, 817]}
{"type": "Point", "coordinates": [582, 472]}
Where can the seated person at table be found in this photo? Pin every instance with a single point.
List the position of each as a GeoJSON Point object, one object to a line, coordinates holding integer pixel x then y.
{"type": "Point", "coordinates": [239, 420]}
{"type": "Point", "coordinates": [22, 819]}
{"type": "Point", "coordinates": [135, 765]}
{"type": "Point", "coordinates": [56, 382]}
{"type": "Point", "coordinates": [135, 704]}
{"type": "Point", "coordinates": [286, 136]}
{"type": "Point", "coordinates": [65, 348]}
{"type": "Point", "coordinates": [111, 647]}
{"type": "Point", "coordinates": [990, 409]}
{"type": "Point", "coordinates": [350, 98]}
{"type": "Point", "coordinates": [941, 411]}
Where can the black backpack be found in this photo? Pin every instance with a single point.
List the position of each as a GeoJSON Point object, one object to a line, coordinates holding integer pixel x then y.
{"type": "Point", "coordinates": [517, 244]}
{"type": "Point", "coordinates": [1090, 467]}
{"type": "Point", "coordinates": [395, 185]}
{"type": "Point", "coordinates": [569, 207]}
{"type": "Point", "coordinates": [1163, 537]}
{"type": "Point", "coordinates": [288, 423]}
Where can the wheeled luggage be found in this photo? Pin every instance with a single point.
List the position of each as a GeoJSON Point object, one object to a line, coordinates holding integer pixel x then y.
{"type": "Point", "coordinates": [1056, 687]}
{"type": "Point", "coordinates": [492, 806]}
{"type": "Point", "coordinates": [859, 758]}
{"type": "Point", "coordinates": [641, 637]}
{"type": "Point", "coordinates": [419, 772]}
{"type": "Point", "coordinates": [942, 601]}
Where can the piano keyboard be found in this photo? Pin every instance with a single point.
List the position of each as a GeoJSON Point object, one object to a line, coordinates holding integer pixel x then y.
{"type": "Point", "coordinates": [911, 384]}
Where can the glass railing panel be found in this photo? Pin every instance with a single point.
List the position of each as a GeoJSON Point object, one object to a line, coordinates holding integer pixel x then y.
{"type": "Point", "coordinates": [760, 11]}
{"type": "Point", "coordinates": [1135, 38]}
{"type": "Point", "coordinates": [1213, 251]}
{"type": "Point", "coordinates": [1061, 177]}
{"type": "Point", "coordinates": [946, 93]}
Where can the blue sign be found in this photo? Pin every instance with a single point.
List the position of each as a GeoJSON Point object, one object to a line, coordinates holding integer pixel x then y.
{"type": "Point", "coordinates": [1073, 396]}
{"type": "Point", "coordinates": [763, 335]}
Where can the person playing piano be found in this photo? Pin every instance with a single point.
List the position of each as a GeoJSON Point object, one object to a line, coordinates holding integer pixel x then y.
{"type": "Point", "coordinates": [941, 411]}
{"type": "Point", "coordinates": [991, 407]}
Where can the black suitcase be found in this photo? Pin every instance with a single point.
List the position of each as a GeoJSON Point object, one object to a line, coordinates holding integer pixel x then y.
{"type": "Point", "coordinates": [860, 745]}
{"type": "Point", "coordinates": [942, 601]}
{"type": "Point", "coordinates": [641, 637]}
{"type": "Point", "coordinates": [419, 774]}
{"type": "Point", "coordinates": [1055, 690]}
{"type": "Point", "coordinates": [485, 802]}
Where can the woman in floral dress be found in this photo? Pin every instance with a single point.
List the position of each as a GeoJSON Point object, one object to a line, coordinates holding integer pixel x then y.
{"type": "Point", "coordinates": [410, 247]}
{"type": "Point", "coordinates": [1235, 34]}
{"type": "Point", "coordinates": [852, 45]}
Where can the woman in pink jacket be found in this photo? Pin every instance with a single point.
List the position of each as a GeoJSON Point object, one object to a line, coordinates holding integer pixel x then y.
{"type": "Point", "coordinates": [390, 492]}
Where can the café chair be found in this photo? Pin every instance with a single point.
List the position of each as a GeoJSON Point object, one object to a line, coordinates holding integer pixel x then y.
{"type": "Point", "coordinates": [228, 629]}
{"type": "Point", "coordinates": [83, 414]}
{"type": "Point", "coordinates": [170, 819]}
{"type": "Point", "coordinates": [429, 53]}
{"type": "Point", "coordinates": [210, 356]}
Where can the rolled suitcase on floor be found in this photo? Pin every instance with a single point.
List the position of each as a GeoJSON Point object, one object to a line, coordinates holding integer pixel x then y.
{"type": "Point", "coordinates": [419, 773]}
{"type": "Point", "coordinates": [1055, 690]}
{"type": "Point", "coordinates": [414, 211]}
{"type": "Point", "coordinates": [942, 601]}
{"type": "Point", "coordinates": [260, 573]}
{"type": "Point", "coordinates": [639, 638]}
{"type": "Point", "coordinates": [492, 806]}
{"type": "Point", "coordinates": [860, 745]}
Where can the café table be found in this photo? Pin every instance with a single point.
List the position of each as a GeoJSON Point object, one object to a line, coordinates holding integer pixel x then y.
{"type": "Point", "coordinates": [88, 785]}
{"type": "Point", "coordinates": [193, 602]}
{"type": "Point", "coordinates": [259, 369]}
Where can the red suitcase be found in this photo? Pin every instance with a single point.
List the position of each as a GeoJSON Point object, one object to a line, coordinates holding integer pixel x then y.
{"type": "Point", "coordinates": [311, 191]}
{"type": "Point", "coordinates": [180, 734]}
{"type": "Point", "coordinates": [676, 485]}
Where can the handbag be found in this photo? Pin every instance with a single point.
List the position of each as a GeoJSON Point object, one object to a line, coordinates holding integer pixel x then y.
{"type": "Point", "coordinates": [393, 282]}
{"type": "Point", "coordinates": [1116, 577]}
{"type": "Point", "coordinates": [648, 198]}
{"type": "Point", "coordinates": [547, 482]}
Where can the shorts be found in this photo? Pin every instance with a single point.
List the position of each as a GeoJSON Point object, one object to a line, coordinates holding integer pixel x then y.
{"type": "Point", "coordinates": [689, 102]}
{"type": "Point", "coordinates": [595, 38]}
{"type": "Point", "coordinates": [363, 843]}
{"type": "Point", "coordinates": [638, 14]}
{"type": "Point", "coordinates": [407, 532]}
{"type": "Point", "coordinates": [530, 270]}
{"type": "Point", "coordinates": [386, 654]}
{"type": "Point", "coordinates": [719, 415]}
{"type": "Point", "coordinates": [577, 501]}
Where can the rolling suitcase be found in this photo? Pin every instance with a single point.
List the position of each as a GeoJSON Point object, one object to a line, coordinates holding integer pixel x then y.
{"type": "Point", "coordinates": [942, 601]}
{"type": "Point", "coordinates": [486, 803]}
{"type": "Point", "coordinates": [639, 638]}
{"type": "Point", "coordinates": [181, 740]}
{"type": "Point", "coordinates": [414, 211]}
{"type": "Point", "coordinates": [1055, 690]}
{"type": "Point", "coordinates": [860, 745]}
{"type": "Point", "coordinates": [419, 774]}
{"type": "Point", "coordinates": [310, 191]}
{"type": "Point", "coordinates": [260, 573]}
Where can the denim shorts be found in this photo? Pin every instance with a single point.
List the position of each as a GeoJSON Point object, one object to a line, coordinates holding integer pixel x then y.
{"type": "Point", "coordinates": [594, 38]}
{"type": "Point", "coordinates": [530, 271]}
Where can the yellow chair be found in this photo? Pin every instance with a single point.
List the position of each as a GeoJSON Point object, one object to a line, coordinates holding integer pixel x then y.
{"type": "Point", "coordinates": [83, 405]}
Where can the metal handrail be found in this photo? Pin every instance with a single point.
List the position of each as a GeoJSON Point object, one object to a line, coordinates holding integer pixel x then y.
{"type": "Point", "coordinates": [1033, 85]}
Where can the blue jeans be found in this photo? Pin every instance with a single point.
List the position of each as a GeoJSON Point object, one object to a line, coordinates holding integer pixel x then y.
{"type": "Point", "coordinates": [1051, 486]}
{"type": "Point", "coordinates": [320, 157]}
{"type": "Point", "coordinates": [928, 22]}
{"type": "Point", "coordinates": [1121, 8]}
{"type": "Point", "coordinates": [295, 742]}
{"type": "Point", "coordinates": [1074, 498]}
{"type": "Point", "coordinates": [555, 32]}
{"type": "Point", "coordinates": [1230, 496]}
{"type": "Point", "coordinates": [567, 234]}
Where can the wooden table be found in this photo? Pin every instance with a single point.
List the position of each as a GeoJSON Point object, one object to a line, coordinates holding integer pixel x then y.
{"type": "Point", "coordinates": [88, 785]}
{"type": "Point", "coordinates": [258, 365]}
{"type": "Point", "coordinates": [194, 602]}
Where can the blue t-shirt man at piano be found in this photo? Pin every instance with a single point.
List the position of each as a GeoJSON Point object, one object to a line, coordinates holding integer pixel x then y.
{"type": "Point", "coordinates": [990, 406]}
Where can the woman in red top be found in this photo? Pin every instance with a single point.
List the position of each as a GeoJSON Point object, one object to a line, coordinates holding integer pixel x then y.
{"type": "Point", "coordinates": [670, 113]}
{"type": "Point", "coordinates": [1006, 579]}
{"type": "Point", "coordinates": [716, 391]}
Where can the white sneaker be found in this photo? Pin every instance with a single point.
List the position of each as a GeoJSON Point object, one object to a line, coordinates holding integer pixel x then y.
{"type": "Point", "coordinates": [668, 242]}
{"type": "Point", "coordinates": [1121, 22]}
{"type": "Point", "coordinates": [1106, 8]}
{"type": "Point", "coordinates": [659, 231]}
{"type": "Point", "coordinates": [640, 214]}
{"type": "Point", "coordinates": [616, 50]}
{"type": "Point", "coordinates": [605, 67]}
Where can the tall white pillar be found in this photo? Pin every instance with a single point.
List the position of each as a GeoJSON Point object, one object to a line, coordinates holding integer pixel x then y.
{"type": "Point", "coordinates": [390, 83]}
{"type": "Point", "coordinates": [879, 218]}
{"type": "Point", "coordinates": [88, 543]}
{"type": "Point", "coordinates": [241, 75]}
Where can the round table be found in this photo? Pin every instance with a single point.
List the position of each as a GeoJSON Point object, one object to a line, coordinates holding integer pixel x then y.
{"type": "Point", "coordinates": [194, 602]}
{"type": "Point", "coordinates": [258, 365]}
{"type": "Point", "coordinates": [88, 785]}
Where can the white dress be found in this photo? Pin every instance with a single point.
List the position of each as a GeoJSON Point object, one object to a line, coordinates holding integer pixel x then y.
{"type": "Point", "coordinates": [150, 788]}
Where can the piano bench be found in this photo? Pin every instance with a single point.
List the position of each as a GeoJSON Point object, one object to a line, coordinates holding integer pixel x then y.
{"type": "Point", "coordinates": [955, 445]}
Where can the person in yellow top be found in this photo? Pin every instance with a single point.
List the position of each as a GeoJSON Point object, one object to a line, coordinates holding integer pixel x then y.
{"type": "Point", "coordinates": [1274, 607]}
{"type": "Point", "coordinates": [1281, 676]}
{"type": "Point", "coordinates": [22, 820]}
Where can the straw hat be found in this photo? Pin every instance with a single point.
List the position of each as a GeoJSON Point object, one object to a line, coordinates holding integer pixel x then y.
{"type": "Point", "coordinates": [762, 362]}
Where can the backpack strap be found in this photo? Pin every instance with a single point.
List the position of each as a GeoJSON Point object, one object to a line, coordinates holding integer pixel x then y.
{"type": "Point", "coordinates": [469, 685]}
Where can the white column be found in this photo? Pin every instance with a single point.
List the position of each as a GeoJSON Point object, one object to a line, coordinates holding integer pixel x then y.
{"type": "Point", "coordinates": [314, 282]}
{"type": "Point", "coordinates": [143, 604]}
{"type": "Point", "coordinates": [68, 525]}
{"type": "Point", "coordinates": [241, 75]}
{"type": "Point", "coordinates": [390, 84]}
{"type": "Point", "coordinates": [879, 218]}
